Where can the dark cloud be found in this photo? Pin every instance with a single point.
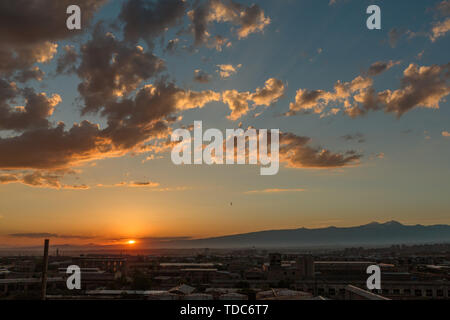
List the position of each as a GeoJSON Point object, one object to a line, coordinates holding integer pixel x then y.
{"type": "Point", "coordinates": [381, 66]}
{"type": "Point", "coordinates": [130, 123]}
{"type": "Point", "coordinates": [111, 69]}
{"type": "Point", "coordinates": [40, 179]}
{"type": "Point", "coordinates": [297, 153]}
{"type": "Point", "coordinates": [143, 184]}
{"type": "Point", "coordinates": [307, 101]}
{"type": "Point", "coordinates": [248, 19]}
{"type": "Point", "coordinates": [34, 114]}
{"type": "Point", "coordinates": [424, 86]}
{"type": "Point", "coordinates": [67, 60]}
{"type": "Point", "coordinates": [394, 36]}
{"type": "Point", "coordinates": [165, 238]}
{"type": "Point", "coordinates": [29, 30]}
{"type": "Point", "coordinates": [8, 91]}
{"type": "Point", "coordinates": [252, 20]}
{"type": "Point", "coordinates": [47, 235]}
{"type": "Point", "coordinates": [145, 19]}
{"type": "Point", "coordinates": [172, 45]}
{"type": "Point", "coordinates": [359, 137]}
{"type": "Point", "coordinates": [443, 8]}
{"type": "Point", "coordinates": [202, 77]}
{"type": "Point", "coordinates": [40, 20]}
{"type": "Point", "coordinates": [8, 178]}
{"type": "Point", "coordinates": [53, 148]}
{"type": "Point", "coordinates": [25, 56]}
{"type": "Point", "coordinates": [33, 73]}
{"type": "Point", "coordinates": [200, 22]}
{"type": "Point", "coordinates": [113, 76]}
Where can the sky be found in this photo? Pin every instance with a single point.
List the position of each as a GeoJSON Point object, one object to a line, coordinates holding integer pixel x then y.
{"type": "Point", "coordinates": [86, 116]}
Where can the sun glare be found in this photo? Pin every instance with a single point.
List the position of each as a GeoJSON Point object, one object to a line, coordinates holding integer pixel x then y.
{"type": "Point", "coordinates": [131, 242]}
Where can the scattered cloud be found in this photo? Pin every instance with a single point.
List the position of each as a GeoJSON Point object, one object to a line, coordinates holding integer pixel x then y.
{"type": "Point", "coordinates": [38, 107]}
{"type": "Point", "coordinates": [266, 191]}
{"type": "Point", "coordinates": [440, 29]}
{"type": "Point", "coordinates": [421, 86]}
{"type": "Point", "coordinates": [34, 73]}
{"type": "Point", "coordinates": [334, 2]}
{"type": "Point", "coordinates": [202, 77]}
{"type": "Point", "coordinates": [443, 8]}
{"type": "Point", "coordinates": [316, 101]}
{"type": "Point", "coordinates": [172, 45]}
{"type": "Point", "coordinates": [394, 36]}
{"type": "Point", "coordinates": [273, 90]}
{"type": "Point", "coordinates": [238, 102]}
{"type": "Point", "coordinates": [39, 179]}
{"type": "Point", "coordinates": [53, 180]}
{"type": "Point", "coordinates": [446, 134]}
{"type": "Point", "coordinates": [249, 19]}
{"type": "Point", "coordinates": [420, 55]}
{"type": "Point", "coordinates": [66, 62]}
{"type": "Point", "coordinates": [145, 185]}
{"type": "Point", "coordinates": [115, 74]}
{"type": "Point", "coordinates": [227, 70]}
{"type": "Point", "coordinates": [112, 69]}
{"type": "Point", "coordinates": [296, 152]}
{"type": "Point", "coordinates": [358, 137]}
{"type": "Point", "coordinates": [137, 184]}
{"type": "Point", "coordinates": [381, 66]}
{"type": "Point", "coordinates": [147, 20]}
{"type": "Point", "coordinates": [35, 235]}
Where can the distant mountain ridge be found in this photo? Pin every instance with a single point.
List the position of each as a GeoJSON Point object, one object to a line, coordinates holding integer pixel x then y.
{"type": "Point", "coordinates": [374, 233]}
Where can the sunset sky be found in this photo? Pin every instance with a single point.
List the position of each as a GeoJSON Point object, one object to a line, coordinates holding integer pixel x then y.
{"type": "Point", "coordinates": [86, 116]}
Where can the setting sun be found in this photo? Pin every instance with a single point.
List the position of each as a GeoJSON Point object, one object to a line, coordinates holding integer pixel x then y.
{"type": "Point", "coordinates": [131, 242]}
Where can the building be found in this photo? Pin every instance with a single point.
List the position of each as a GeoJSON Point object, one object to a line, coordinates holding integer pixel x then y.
{"type": "Point", "coordinates": [109, 264]}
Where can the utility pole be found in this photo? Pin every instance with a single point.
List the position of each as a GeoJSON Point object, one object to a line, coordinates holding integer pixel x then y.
{"type": "Point", "coordinates": [44, 270]}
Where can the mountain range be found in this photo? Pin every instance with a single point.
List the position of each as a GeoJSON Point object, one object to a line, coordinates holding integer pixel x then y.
{"type": "Point", "coordinates": [375, 233]}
